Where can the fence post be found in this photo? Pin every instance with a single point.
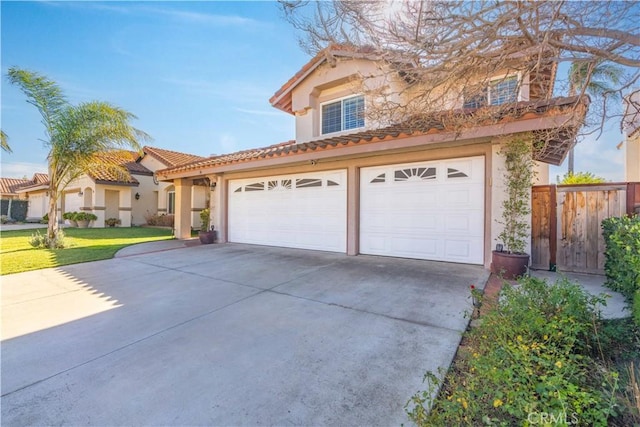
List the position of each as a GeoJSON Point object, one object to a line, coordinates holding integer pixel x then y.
{"type": "Point", "coordinates": [553, 225]}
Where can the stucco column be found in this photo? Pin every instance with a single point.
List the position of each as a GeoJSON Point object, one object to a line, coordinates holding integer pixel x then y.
{"type": "Point", "coordinates": [216, 204]}
{"type": "Point", "coordinates": [222, 188]}
{"type": "Point", "coordinates": [353, 210]}
{"type": "Point", "coordinates": [182, 222]}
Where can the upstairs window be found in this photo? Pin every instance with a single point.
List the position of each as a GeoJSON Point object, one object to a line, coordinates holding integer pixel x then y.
{"type": "Point", "coordinates": [345, 114]}
{"type": "Point", "coordinates": [499, 92]}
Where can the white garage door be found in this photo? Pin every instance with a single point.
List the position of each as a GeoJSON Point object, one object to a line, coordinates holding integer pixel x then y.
{"type": "Point", "coordinates": [307, 211]}
{"type": "Point", "coordinates": [428, 210]}
{"type": "Point", "coordinates": [72, 201]}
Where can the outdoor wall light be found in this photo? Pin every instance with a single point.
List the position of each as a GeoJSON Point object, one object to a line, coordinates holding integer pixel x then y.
{"type": "Point", "coordinates": [213, 185]}
{"type": "Point", "coordinates": [137, 196]}
{"type": "Point", "coordinates": [499, 247]}
{"type": "Point", "coordinates": [80, 193]}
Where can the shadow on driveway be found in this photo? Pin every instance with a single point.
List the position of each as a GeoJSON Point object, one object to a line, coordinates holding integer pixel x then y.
{"type": "Point", "coordinates": [228, 335]}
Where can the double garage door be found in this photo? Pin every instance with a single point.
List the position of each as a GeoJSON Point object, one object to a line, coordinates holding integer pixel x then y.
{"type": "Point", "coordinates": [426, 210]}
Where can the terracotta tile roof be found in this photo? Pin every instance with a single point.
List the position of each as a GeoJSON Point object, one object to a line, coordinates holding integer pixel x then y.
{"type": "Point", "coordinates": [171, 158]}
{"type": "Point", "coordinates": [111, 173]}
{"type": "Point", "coordinates": [282, 98]}
{"type": "Point", "coordinates": [436, 122]}
{"type": "Point", "coordinates": [40, 178]}
{"type": "Point", "coordinates": [8, 186]}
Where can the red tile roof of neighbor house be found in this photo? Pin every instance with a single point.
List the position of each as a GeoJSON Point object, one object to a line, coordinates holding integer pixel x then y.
{"type": "Point", "coordinates": [8, 186]}
{"type": "Point", "coordinates": [433, 123]}
{"type": "Point", "coordinates": [111, 172]}
{"type": "Point", "coordinates": [169, 157]}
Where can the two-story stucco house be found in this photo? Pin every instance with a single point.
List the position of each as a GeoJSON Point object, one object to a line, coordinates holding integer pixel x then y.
{"type": "Point", "coordinates": [356, 185]}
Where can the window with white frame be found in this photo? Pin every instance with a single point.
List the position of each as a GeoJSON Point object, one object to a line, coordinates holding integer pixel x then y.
{"type": "Point", "coordinates": [171, 202]}
{"type": "Point", "coordinates": [499, 92]}
{"type": "Point", "coordinates": [344, 114]}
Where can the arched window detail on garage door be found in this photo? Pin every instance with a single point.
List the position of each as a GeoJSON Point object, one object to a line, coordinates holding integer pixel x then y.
{"type": "Point", "coordinates": [380, 178]}
{"type": "Point", "coordinates": [256, 186]}
{"type": "Point", "coordinates": [308, 182]}
{"type": "Point", "coordinates": [415, 174]}
{"type": "Point", "coordinates": [455, 173]}
{"type": "Point", "coordinates": [281, 184]}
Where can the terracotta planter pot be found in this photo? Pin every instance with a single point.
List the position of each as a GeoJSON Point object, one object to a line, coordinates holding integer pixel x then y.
{"type": "Point", "coordinates": [207, 237]}
{"type": "Point", "coordinates": [508, 265]}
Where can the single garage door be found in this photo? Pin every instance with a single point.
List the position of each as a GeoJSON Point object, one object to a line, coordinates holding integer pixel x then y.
{"type": "Point", "coordinates": [72, 201]}
{"type": "Point", "coordinates": [428, 210]}
{"type": "Point", "coordinates": [307, 211]}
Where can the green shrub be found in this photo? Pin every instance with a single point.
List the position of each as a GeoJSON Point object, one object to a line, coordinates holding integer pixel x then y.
{"type": "Point", "coordinates": [622, 254]}
{"type": "Point", "coordinates": [18, 208]}
{"type": "Point", "coordinates": [636, 308]}
{"type": "Point", "coordinates": [581, 178]}
{"type": "Point", "coordinates": [531, 355]}
{"type": "Point", "coordinates": [85, 216]}
{"type": "Point", "coordinates": [39, 241]}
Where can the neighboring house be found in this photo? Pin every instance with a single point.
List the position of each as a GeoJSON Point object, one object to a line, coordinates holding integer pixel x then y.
{"type": "Point", "coordinates": [632, 137]}
{"type": "Point", "coordinates": [415, 189]}
{"type": "Point", "coordinates": [130, 197]}
{"type": "Point", "coordinates": [162, 196]}
{"type": "Point", "coordinates": [8, 187]}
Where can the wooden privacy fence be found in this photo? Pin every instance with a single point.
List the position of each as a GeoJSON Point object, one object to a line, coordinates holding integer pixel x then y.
{"type": "Point", "coordinates": [565, 223]}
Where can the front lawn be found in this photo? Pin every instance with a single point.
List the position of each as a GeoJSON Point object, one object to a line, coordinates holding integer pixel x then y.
{"type": "Point", "coordinates": [85, 244]}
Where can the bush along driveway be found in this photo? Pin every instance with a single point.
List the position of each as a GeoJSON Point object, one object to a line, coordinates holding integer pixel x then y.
{"type": "Point", "coordinates": [540, 356]}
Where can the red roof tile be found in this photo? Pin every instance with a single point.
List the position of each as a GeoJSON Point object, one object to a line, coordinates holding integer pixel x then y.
{"type": "Point", "coordinates": [427, 124]}
{"type": "Point", "coordinates": [8, 186]}
{"type": "Point", "coordinates": [109, 168]}
{"type": "Point", "coordinates": [171, 158]}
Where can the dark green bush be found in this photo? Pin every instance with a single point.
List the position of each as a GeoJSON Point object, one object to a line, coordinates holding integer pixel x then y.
{"type": "Point", "coordinates": [622, 254]}
{"type": "Point", "coordinates": [531, 357]}
{"type": "Point", "coordinates": [18, 208]}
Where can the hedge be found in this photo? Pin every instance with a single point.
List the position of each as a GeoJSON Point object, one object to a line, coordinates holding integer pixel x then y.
{"type": "Point", "coordinates": [18, 208]}
{"type": "Point", "coordinates": [622, 257]}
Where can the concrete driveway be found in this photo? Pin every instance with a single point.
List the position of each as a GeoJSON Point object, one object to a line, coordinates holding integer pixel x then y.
{"type": "Point", "coordinates": [228, 335]}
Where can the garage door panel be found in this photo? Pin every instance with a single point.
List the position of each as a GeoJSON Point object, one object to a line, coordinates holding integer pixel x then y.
{"type": "Point", "coordinates": [305, 211]}
{"type": "Point", "coordinates": [428, 210]}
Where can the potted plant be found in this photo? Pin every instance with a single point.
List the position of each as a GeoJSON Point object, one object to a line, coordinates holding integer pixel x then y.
{"type": "Point", "coordinates": [509, 259]}
{"type": "Point", "coordinates": [84, 218]}
{"type": "Point", "coordinates": [71, 217]}
{"type": "Point", "coordinates": [205, 235]}
{"type": "Point", "coordinates": [112, 222]}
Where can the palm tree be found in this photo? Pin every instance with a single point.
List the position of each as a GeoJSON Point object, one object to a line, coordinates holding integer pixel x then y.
{"type": "Point", "coordinates": [594, 78]}
{"type": "Point", "coordinates": [4, 144]}
{"type": "Point", "coordinates": [75, 134]}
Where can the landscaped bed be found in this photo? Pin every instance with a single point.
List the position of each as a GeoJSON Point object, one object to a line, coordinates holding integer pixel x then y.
{"type": "Point", "coordinates": [541, 356]}
{"type": "Point", "coordinates": [89, 244]}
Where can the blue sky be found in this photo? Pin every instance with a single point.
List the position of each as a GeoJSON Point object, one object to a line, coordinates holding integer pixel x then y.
{"type": "Point", "coordinates": [197, 74]}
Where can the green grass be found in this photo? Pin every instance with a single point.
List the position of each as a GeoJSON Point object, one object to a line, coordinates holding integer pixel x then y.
{"type": "Point", "coordinates": [86, 244]}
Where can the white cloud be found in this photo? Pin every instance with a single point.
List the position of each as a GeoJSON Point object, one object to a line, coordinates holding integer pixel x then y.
{"type": "Point", "coordinates": [22, 169]}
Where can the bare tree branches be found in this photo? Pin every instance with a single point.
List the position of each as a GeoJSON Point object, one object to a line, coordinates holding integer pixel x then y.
{"type": "Point", "coordinates": [445, 49]}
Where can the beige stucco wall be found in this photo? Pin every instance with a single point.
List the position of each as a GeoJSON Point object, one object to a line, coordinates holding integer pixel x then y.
{"type": "Point", "coordinates": [632, 158]}
{"type": "Point", "coordinates": [326, 83]}
{"type": "Point", "coordinates": [147, 204]}
{"type": "Point", "coordinates": [362, 76]}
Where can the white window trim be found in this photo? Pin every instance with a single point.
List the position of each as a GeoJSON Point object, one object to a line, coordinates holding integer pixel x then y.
{"type": "Point", "coordinates": [504, 77]}
{"type": "Point", "coordinates": [498, 79]}
{"type": "Point", "coordinates": [333, 101]}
